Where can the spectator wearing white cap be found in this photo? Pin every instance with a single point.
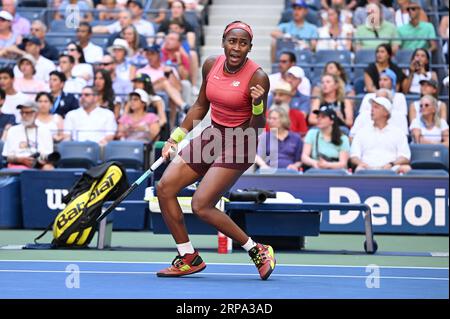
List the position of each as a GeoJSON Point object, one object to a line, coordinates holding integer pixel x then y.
{"type": "Point", "coordinates": [398, 116]}
{"type": "Point", "coordinates": [294, 77]}
{"type": "Point", "coordinates": [282, 97]}
{"type": "Point", "coordinates": [381, 145]}
{"type": "Point", "coordinates": [286, 61]}
{"type": "Point", "coordinates": [20, 25]}
{"type": "Point", "coordinates": [121, 52]}
{"type": "Point", "coordinates": [387, 80]}
{"type": "Point", "coordinates": [429, 128]}
{"type": "Point", "coordinates": [27, 144]}
{"type": "Point", "coordinates": [27, 83]}
{"type": "Point", "coordinates": [8, 37]}
{"type": "Point", "coordinates": [138, 125]}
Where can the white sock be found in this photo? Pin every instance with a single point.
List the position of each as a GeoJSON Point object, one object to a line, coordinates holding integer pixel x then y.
{"type": "Point", "coordinates": [185, 248]}
{"type": "Point", "coordinates": [249, 244]}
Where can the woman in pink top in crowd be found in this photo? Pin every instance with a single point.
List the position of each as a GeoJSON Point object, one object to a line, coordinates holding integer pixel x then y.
{"type": "Point", "coordinates": [27, 84]}
{"type": "Point", "coordinates": [138, 125]}
{"type": "Point", "coordinates": [236, 89]}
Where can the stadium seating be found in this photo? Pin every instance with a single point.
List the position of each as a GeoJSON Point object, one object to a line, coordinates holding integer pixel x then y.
{"type": "Point", "coordinates": [344, 57]}
{"type": "Point", "coordinates": [60, 26]}
{"type": "Point", "coordinates": [129, 153]}
{"type": "Point", "coordinates": [271, 171]}
{"type": "Point", "coordinates": [284, 45]}
{"type": "Point", "coordinates": [318, 171]}
{"type": "Point", "coordinates": [311, 17]}
{"type": "Point", "coordinates": [429, 156]}
{"type": "Point", "coordinates": [32, 4]}
{"type": "Point", "coordinates": [377, 172]}
{"type": "Point", "coordinates": [362, 59]}
{"type": "Point", "coordinates": [31, 13]}
{"type": "Point", "coordinates": [427, 172]}
{"type": "Point", "coordinates": [403, 57]}
{"type": "Point", "coordinates": [359, 85]}
{"type": "Point", "coordinates": [60, 40]}
{"type": "Point", "coordinates": [7, 63]}
{"type": "Point", "coordinates": [78, 154]}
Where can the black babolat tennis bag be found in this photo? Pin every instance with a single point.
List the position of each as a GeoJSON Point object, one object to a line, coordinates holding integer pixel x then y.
{"type": "Point", "coordinates": [76, 224]}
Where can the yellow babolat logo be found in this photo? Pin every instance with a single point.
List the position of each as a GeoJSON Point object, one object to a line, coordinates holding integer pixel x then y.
{"type": "Point", "coordinates": [185, 268]}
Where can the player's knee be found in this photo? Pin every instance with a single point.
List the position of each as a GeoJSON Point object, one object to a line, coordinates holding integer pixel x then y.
{"type": "Point", "coordinates": [199, 208]}
{"type": "Point", "coordinates": [165, 190]}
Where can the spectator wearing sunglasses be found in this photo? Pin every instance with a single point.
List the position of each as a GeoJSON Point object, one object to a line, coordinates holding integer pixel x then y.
{"type": "Point", "coordinates": [90, 122]}
{"type": "Point", "coordinates": [429, 128]}
{"type": "Point", "coordinates": [417, 30]}
{"type": "Point", "coordinates": [121, 87]}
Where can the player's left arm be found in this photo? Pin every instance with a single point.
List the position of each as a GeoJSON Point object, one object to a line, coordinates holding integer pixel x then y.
{"type": "Point", "coordinates": [259, 90]}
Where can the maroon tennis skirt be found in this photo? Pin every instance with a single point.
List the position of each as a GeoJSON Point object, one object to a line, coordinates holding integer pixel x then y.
{"type": "Point", "coordinates": [220, 146]}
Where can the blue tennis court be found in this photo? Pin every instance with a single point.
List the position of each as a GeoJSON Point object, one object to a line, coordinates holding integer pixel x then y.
{"type": "Point", "coordinates": [82, 279]}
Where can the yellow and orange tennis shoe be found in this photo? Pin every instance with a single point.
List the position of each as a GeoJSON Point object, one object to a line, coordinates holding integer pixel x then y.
{"type": "Point", "coordinates": [264, 259]}
{"type": "Point", "coordinates": [183, 265]}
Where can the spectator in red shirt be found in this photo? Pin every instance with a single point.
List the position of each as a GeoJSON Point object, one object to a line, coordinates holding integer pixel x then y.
{"type": "Point", "coordinates": [282, 96]}
{"type": "Point", "coordinates": [173, 51]}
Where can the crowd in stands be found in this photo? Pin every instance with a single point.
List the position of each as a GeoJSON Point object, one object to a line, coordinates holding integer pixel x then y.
{"type": "Point", "coordinates": [358, 114]}
{"type": "Point", "coordinates": [78, 89]}
{"type": "Point", "coordinates": [323, 113]}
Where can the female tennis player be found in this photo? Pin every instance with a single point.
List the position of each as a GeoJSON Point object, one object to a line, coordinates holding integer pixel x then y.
{"type": "Point", "coordinates": [236, 89]}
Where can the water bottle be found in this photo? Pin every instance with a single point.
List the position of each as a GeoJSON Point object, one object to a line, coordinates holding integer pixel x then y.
{"type": "Point", "coordinates": [225, 244]}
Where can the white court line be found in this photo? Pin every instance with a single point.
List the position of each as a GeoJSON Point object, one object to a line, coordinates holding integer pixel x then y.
{"type": "Point", "coordinates": [210, 263]}
{"type": "Point", "coordinates": [214, 274]}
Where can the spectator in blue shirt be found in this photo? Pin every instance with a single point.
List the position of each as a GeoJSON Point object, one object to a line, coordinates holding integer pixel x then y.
{"type": "Point", "coordinates": [280, 147]}
{"type": "Point", "coordinates": [298, 29]}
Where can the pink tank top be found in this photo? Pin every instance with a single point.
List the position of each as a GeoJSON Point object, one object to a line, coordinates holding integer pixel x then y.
{"type": "Point", "coordinates": [229, 94]}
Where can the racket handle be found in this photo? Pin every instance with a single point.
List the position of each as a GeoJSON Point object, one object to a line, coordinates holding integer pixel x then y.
{"type": "Point", "coordinates": [161, 160]}
{"type": "Point", "coordinates": [157, 164]}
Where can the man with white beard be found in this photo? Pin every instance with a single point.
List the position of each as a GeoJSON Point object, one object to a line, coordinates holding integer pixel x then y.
{"type": "Point", "coordinates": [27, 146]}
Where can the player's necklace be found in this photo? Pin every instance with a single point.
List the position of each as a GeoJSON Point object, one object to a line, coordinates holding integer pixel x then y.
{"type": "Point", "coordinates": [233, 72]}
